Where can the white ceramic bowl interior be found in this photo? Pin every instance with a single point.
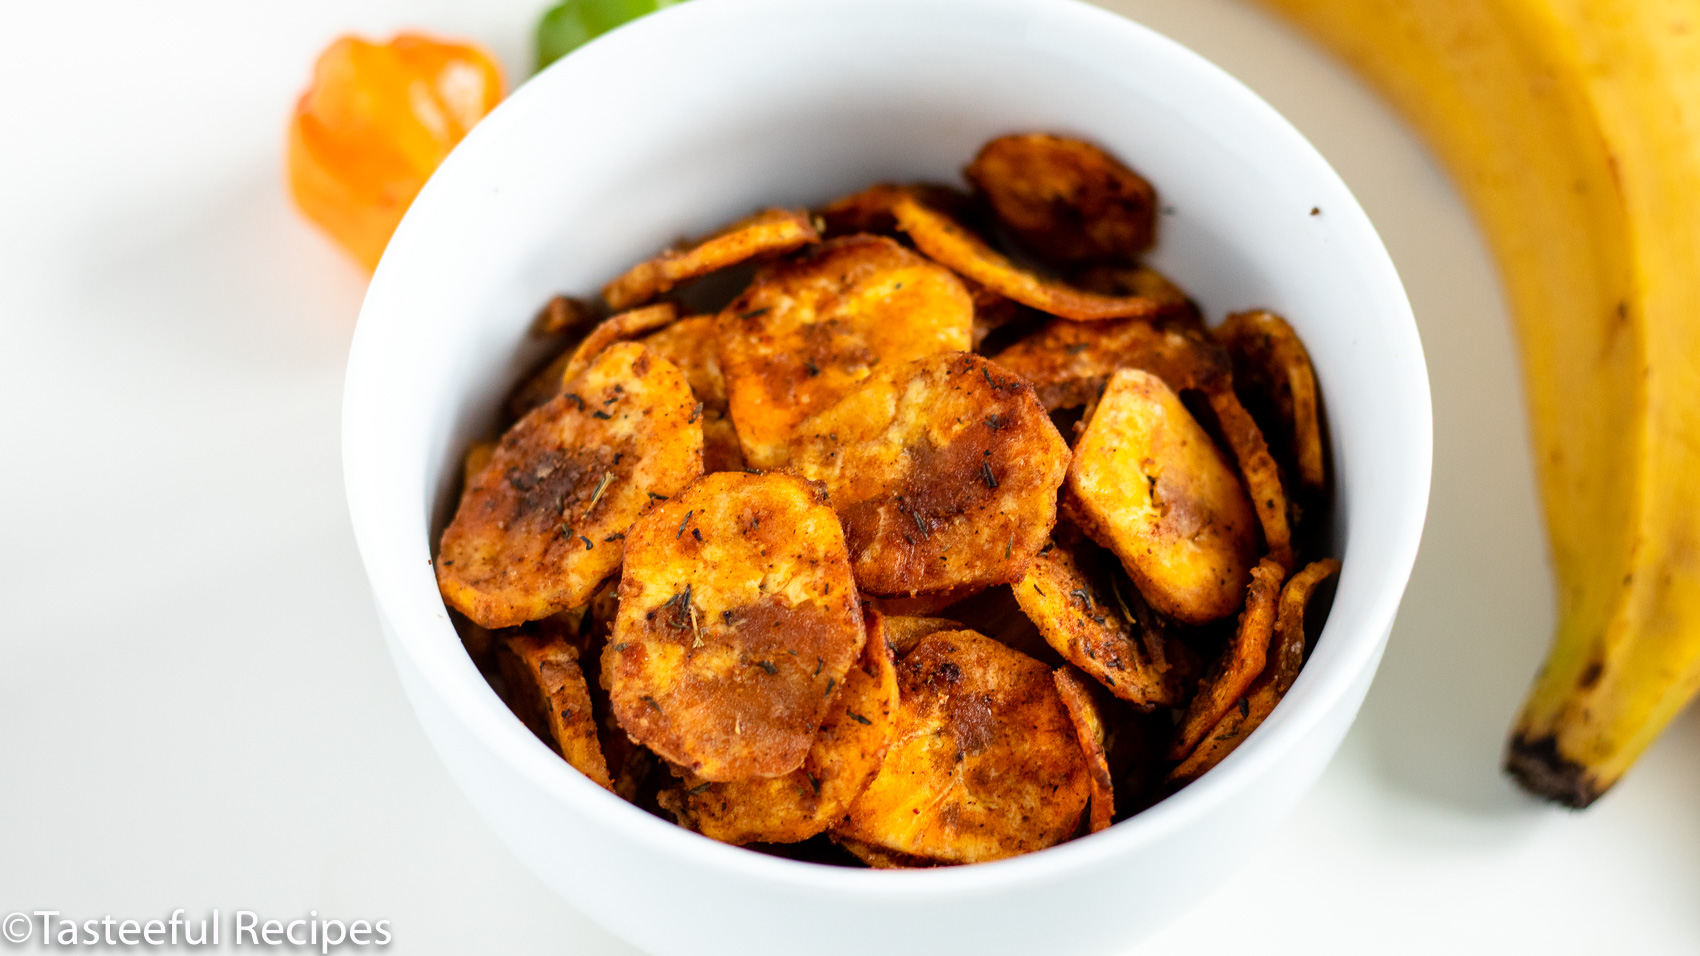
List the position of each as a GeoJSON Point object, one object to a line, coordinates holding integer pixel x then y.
{"type": "Point", "coordinates": [695, 116]}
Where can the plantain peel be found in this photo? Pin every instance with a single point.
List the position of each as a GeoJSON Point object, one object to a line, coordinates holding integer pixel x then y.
{"type": "Point", "coordinates": [1065, 200]}
{"type": "Point", "coordinates": [542, 525]}
{"type": "Point", "coordinates": [842, 760]}
{"type": "Point", "coordinates": [810, 329]}
{"type": "Point", "coordinates": [738, 621]}
{"type": "Point", "coordinates": [1072, 603]}
{"type": "Point", "coordinates": [768, 233]}
{"type": "Point", "coordinates": [547, 690]}
{"type": "Point", "coordinates": [944, 473]}
{"type": "Point", "coordinates": [984, 765]}
{"type": "Point", "coordinates": [1149, 484]}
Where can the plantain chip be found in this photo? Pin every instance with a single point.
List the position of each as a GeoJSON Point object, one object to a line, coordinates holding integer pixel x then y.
{"type": "Point", "coordinates": [768, 233]}
{"type": "Point", "coordinates": [1149, 484]}
{"type": "Point", "coordinates": [811, 329]}
{"type": "Point", "coordinates": [946, 241]}
{"type": "Point", "coordinates": [477, 459]}
{"type": "Point", "coordinates": [1069, 362]}
{"type": "Point", "coordinates": [1285, 658]}
{"type": "Point", "coordinates": [1069, 596]}
{"type": "Point", "coordinates": [738, 620]}
{"type": "Point", "coordinates": [1064, 200]}
{"type": "Point", "coordinates": [562, 315]}
{"type": "Point", "coordinates": [985, 763]}
{"type": "Point", "coordinates": [1141, 281]}
{"type": "Point", "coordinates": [622, 327]}
{"type": "Point", "coordinates": [869, 211]}
{"type": "Point", "coordinates": [944, 472]}
{"type": "Point", "coordinates": [1089, 729]}
{"type": "Point", "coordinates": [541, 526]}
{"type": "Point", "coordinates": [1258, 470]}
{"type": "Point", "coordinates": [842, 760]}
{"type": "Point", "coordinates": [920, 605]}
{"type": "Point", "coordinates": [1229, 676]}
{"type": "Point", "coordinates": [547, 690]}
{"type": "Point", "coordinates": [903, 632]}
{"type": "Point", "coordinates": [692, 345]}
{"type": "Point", "coordinates": [1272, 371]}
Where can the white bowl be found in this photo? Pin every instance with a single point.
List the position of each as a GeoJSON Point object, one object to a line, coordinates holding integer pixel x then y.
{"type": "Point", "coordinates": [699, 114]}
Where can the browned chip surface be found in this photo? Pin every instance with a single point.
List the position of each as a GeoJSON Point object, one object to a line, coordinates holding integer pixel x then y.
{"type": "Point", "coordinates": [561, 315]}
{"type": "Point", "coordinates": [985, 763]}
{"type": "Point", "coordinates": [1241, 661]}
{"type": "Point", "coordinates": [738, 620]}
{"type": "Point", "coordinates": [1069, 362]}
{"type": "Point", "coordinates": [1258, 469]}
{"type": "Point", "coordinates": [1149, 484]}
{"type": "Point", "coordinates": [1273, 369]}
{"type": "Point", "coordinates": [547, 690]}
{"type": "Point", "coordinates": [772, 232]}
{"type": "Point", "coordinates": [1286, 656]}
{"type": "Point", "coordinates": [1089, 729]}
{"type": "Point", "coordinates": [540, 527]}
{"type": "Point", "coordinates": [692, 344]}
{"type": "Point", "coordinates": [1137, 280]}
{"type": "Point", "coordinates": [869, 211]}
{"type": "Point", "coordinates": [944, 473]}
{"type": "Point", "coordinates": [843, 759]}
{"type": "Point", "coordinates": [477, 459]}
{"type": "Point", "coordinates": [946, 241]}
{"type": "Point", "coordinates": [1069, 598]}
{"type": "Point", "coordinates": [1066, 201]}
{"type": "Point", "coordinates": [904, 632]}
{"type": "Point", "coordinates": [812, 328]}
{"type": "Point", "coordinates": [617, 328]}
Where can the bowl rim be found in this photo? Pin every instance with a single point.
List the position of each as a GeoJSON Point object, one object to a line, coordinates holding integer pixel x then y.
{"type": "Point", "coordinates": [380, 516]}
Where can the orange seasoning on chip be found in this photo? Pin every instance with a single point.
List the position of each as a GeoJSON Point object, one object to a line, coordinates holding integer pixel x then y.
{"type": "Point", "coordinates": [375, 123]}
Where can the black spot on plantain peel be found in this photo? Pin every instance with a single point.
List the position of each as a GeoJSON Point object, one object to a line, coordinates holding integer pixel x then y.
{"type": "Point", "coordinates": [1539, 768]}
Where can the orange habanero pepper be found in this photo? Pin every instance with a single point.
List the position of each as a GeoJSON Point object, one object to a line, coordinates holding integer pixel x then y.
{"type": "Point", "coordinates": [373, 127]}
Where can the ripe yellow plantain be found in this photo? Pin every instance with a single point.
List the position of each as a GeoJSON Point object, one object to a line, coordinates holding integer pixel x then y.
{"type": "Point", "coordinates": [1573, 127]}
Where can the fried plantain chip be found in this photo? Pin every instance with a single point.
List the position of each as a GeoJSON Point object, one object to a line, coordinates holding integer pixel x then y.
{"type": "Point", "coordinates": [562, 314]}
{"type": "Point", "coordinates": [1066, 201]}
{"type": "Point", "coordinates": [477, 458]}
{"type": "Point", "coordinates": [1068, 595]}
{"type": "Point", "coordinates": [1241, 661]}
{"type": "Point", "coordinates": [1069, 362]}
{"type": "Point", "coordinates": [944, 472]}
{"type": "Point", "coordinates": [692, 345]}
{"type": "Point", "coordinates": [738, 620]}
{"type": "Point", "coordinates": [948, 242]}
{"type": "Point", "coordinates": [541, 526]}
{"type": "Point", "coordinates": [1258, 470]}
{"type": "Point", "coordinates": [842, 760]}
{"type": "Point", "coordinates": [767, 233]}
{"type": "Point", "coordinates": [810, 329]}
{"type": "Point", "coordinates": [1089, 729]}
{"type": "Point", "coordinates": [920, 605]}
{"type": "Point", "coordinates": [985, 763]}
{"type": "Point", "coordinates": [1141, 281]}
{"type": "Point", "coordinates": [1272, 371]}
{"type": "Point", "coordinates": [869, 211]}
{"type": "Point", "coordinates": [622, 327]}
{"type": "Point", "coordinates": [1149, 484]}
{"type": "Point", "coordinates": [547, 690]}
{"type": "Point", "coordinates": [903, 633]}
{"type": "Point", "coordinates": [1285, 658]}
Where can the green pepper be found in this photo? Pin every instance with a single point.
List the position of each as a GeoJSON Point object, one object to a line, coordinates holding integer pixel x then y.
{"type": "Point", "coordinates": [571, 24]}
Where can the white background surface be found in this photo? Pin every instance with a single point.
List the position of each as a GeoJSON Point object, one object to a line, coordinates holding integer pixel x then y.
{"type": "Point", "coordinates": [196, 709]}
